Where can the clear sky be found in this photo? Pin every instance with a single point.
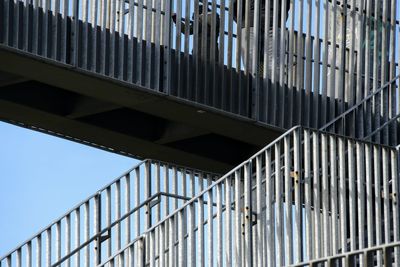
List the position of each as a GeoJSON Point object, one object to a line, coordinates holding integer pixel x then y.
{"type": "Point", "coordinates": [42, 177]}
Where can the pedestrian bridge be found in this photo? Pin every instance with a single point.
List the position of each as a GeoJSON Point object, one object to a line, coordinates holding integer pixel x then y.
{"type": "Point", "coordinates": [122, 76]}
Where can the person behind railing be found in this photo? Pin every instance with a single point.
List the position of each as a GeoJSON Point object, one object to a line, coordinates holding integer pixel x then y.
{"type": "Point", "coordinates": [201, 27]}
{"type": "Point", "coordinates": [262, 31]}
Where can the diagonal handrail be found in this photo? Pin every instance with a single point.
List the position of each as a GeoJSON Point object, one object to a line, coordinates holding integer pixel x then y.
{"type": "Point", "coordinates": [93, 196]}
{"type": "Point", "coordinates": [195, 198]}
{"type": "Point", "coordinates": [357, 105]}
{"type": "Point", "coordinates": [73, 209]}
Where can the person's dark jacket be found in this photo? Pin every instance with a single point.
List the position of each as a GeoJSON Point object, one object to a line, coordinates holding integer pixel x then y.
{"type": "Point", "coordinates": [262, 11]}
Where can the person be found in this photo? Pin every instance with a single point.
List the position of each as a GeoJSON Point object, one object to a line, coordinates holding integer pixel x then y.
{"type": "Point", "coordinates": [262, 31]}
{"type": "Point", "coordinates": [209, 17]}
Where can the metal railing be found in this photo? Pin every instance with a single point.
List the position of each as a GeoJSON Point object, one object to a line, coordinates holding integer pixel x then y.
{"type": "Point", "coordinates": [369, 119]}
{"type": "Point", "coordinates": [308, 195]}
{"type": "Point", "coordinates": [302, 64]}
{"type": "Point", "coordinates": [112, 217]}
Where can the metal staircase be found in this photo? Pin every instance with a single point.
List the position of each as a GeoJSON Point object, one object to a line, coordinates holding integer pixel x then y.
{"type": "Point", "coordinates": [326, 197]}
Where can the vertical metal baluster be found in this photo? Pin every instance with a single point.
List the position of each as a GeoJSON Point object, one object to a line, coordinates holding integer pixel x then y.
{"type": "Point", "coordinates": [288, 189]}
{"type": "Point", "coordinates": [111, 22]}
{"type": "Point", "coordinates": [97, 228]}
{"type": "Point", "coordinates": [221, 58]}
{"type": "Point", "coordinates": [254, 74]}
{"type": "Point", "coordinates": [378, 200]}
{"type": "Point", "coordinates": [332, 91]}
{"type": "Point", "coordinates": [210, 222]}
{"type": "Point", "coordinates": [6, 18]}
{"type": "Point", "coordinates": [74, 33]}
{"type": "Point", "coordinates": [200, 224]}
{"type": "Point", "coordinates": [392, 73]}
{"type": "Point", "coordinates": [166, 209]}
{"type": "Point", "coordinates": [108, 219]}
{"type": "Point", "coordinates": [395, 203]}
{"type": "Point", "coordinates": [94, 44]}
{"type": "Point", "coordinates": [384, 72]}
{"type": "Point", "coordinates": [64, 31]}
{"type": "Point", "coordinates": [230, 71]}
{"type": "Point", "coordinates": [138, 222]}
{"type": "Point", "coordinates": [131, 29]}
{"type": "Point", "coordinates": [367, 71]}
{"type": "Point", "coordinates": [340, 86]}
{"type": "Point", "coordinates": [181, 239]}
{"type": "Point", "coordinates": [220, 226]}
{"type": "Point", "coordinates": [18, 258]}
{"type": "Point", "coordinates": [280, 256]}
{"type": "Point", "coordinates": [248, 212]}
{"type": "Point", "coordinates": [352, 199]}
{"type": "Point", "coordinates": [213, 55]}
{"type": "Point", "coordinates": [55, 30]}
{"type": "Point", "coordinates": [29, 254]}
{"type": "Point", "coordinates": [197, 52]}
{"type": "Point", "coordinates": [191, 223]}
{"type": "Point", "coordinates": [152, 248]}
{"type": "Point", "coordinates": [386, 204]}
{"type": "Point", "coordinates": [148, 25]}
{"type": "Point", "coordinates": [309, 69]}
{"type": "Point", "coordinates": [147, 194]}
{"type": "Point", "coordinates": [282, 66]}
{"type": "Point", "coordinates": [260, 202]}
{"type": "Point", "coordinates": [117, 207]}
{"type": "Point", "coordinates": [342, 189]}
{"type": "Point", "coordinates": [324, 102]}
{"type": "Point", "coordinates": [25, 27]}
{"type": "Point", "coordinates": [77, 236]}
{"type": "Point", "coordinates": [274, 64]}
{"type": "Point", "coordinates": [157, 214]}
{"type": "Point", "coordinates": [167, 31]}
{"type": "Point", "coordinates": [326, 230]}
{"type": "Point", "coordinates": [157, 44]}
{"type": "Point", "coordinates": [86, 233]}
{"type": "Point", "coordinates": [16, 24]}
{"type": "Point", "coordinates": [45, 29]}
{"type": "Point", "coordinates": [85, 33]}
{"type": "Point", "coordinates": [187, 91]}
{"type": "Point", "coordinates": [121, 39]}
{"type": "Point", "coordinates": [290, 68]}
{"type": "Point", "coordinates": [228, 221]}
{"type": "Point", "coordinates": [48, 247]}
{"type": "Point", "coordinates": [35, 26]}
{"type": "Point", "coordinates": [127, 209]}
{"type": "Point", "coordinates": [269, 220]}
{"type": "Point", "coordinates": [238, 56]}
{"type": "Point", "coordinates": [300, 65]}
{"type": "Point", "coordinates": [334, 195]}
{"type": "Point", "coordinates": [177, 55]}
{"type": "Point", "coordinates": [360, 178]}
{"type": "Point", "coordinates": [317, 59]}
{"type": "Point", "coordinates": [238, 220]}
{"type": "Point", "coordinates": [171, 246]}
{"type": "Point", "coordinates": [297, 139]}
{"type": "Point", "coordinates": [39, 250]}
{"type": "Point", "coordinates": [162, 259]}
{"type": "Point", "coordinates": [67, 239]}
{"type": "Point", "coordinates": [317, 196]}
{"type": "Point", "coordinates": [370, 203]}
{"type": "Point", "coordinates": [58, 241]}
{"type": "Point", "coordinates": [375, 74]}
{"type": "Point", "coordinates": [307, 198]}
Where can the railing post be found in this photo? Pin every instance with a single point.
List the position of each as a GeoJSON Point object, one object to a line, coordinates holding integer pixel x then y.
{"type": "Point", "coordinates": [141, 260]}
{"type": "Point", "coordinates": [167, 47]}
{"type": "Point", "coordinates": [75, 33]}
{"type": "Point", "coordinates": [97, 228]}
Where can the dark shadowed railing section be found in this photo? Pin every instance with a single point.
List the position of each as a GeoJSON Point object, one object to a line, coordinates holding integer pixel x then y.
{"type": "Point", "coordinates": [283, 63]}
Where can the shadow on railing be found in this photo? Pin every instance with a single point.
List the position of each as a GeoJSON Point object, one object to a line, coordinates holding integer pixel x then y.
{"type": "Point", "coordinates": [370, 119]}
{"type": "Point", "coordinates": [118, 213]}
{"type": "Point", "coordinates": [282, 206]}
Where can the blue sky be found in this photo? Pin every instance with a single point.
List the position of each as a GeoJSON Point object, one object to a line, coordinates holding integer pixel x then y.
{"type": "Point", "coordinates": [43, 176]}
